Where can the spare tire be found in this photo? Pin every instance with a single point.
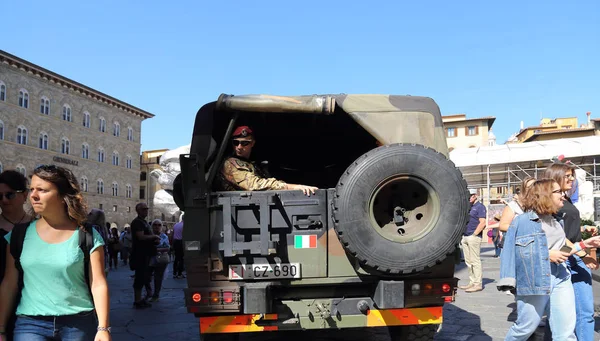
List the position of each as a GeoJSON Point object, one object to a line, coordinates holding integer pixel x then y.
{"type": "Point", "coordinates": [401, 208]}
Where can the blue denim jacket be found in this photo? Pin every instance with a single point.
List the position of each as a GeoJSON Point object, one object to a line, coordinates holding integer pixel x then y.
{"type": "Point", "coordinates": [525, 259]}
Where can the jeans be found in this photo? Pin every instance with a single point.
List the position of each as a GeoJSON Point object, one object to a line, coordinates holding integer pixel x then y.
{"type": "Point", "coordinates": [497, 248]}
{"type": "Point", "coordinates": [471, 249]}
{"type": "Point", "coordinates": [81, 327]}
{"type": "Point", "coordinates": [558, 305]}
{"type": "Point", "coordinates": [158, 272]}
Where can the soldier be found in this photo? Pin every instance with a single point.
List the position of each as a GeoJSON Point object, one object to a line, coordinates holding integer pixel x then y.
{"type": "Point", "coordinates": [239, 173]}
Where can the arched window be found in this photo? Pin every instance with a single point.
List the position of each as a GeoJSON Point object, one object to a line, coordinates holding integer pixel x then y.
{"type": "Point", "coordinates": [1, 130]}
{"type": "Point", "coordinates": [129, 162]}
{"type": "Point", "coordinates": [21, 169]}
{"type": "Point", "coordinates": [65, 146]}
{"type": "Point", "coordinates": [115, 189]}
{"type": "Point", "coordinates": [43, 141]}
{"type": "Point", "coordinates": [85, 151]}
{"type": "Point", "coordinates": [102, 124]}
{"type": "Point", "coordinates": [23, 98]}
{"type": "Point", "coordinates": [86, 119]}
{"type": "Point", "coordinates": [1, 168]}
{"type": "Point", "coordinates": [128, 191]}
{"type": "Point", "coordinates": [129, 134]}
{"type": "Point", "coordinates": [100, 154]}
{"type": "Point", "coordinates": [2, 91]}
{"type": "Point", "coordinates": [84, 184]}
{"type": "Point", "coordinates": [115, 158]}
{"type": "Point", "coordinates": [116, 129]}
{"type": "Point", "coordinates": [66, 113]}
{"type": "Point", "coordinates": [44, 105]}
{"type": "Point", "coordinates": [100, 184]}
{"type": "Point", "coordinates": [21, 135]}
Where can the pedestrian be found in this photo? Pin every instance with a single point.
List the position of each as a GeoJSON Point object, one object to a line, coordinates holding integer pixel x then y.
{"type": "Point", "coordinates": [96, 219]}
{"type": "Point", "coordinates": [56, 302]}
{"type": "Point", "coordinates": [143, 241]}
{"type": "Point", "coordinates": [159, 262]}
{"type": "Point", "coordinates": [13, 196]}
{"type": "Point", "coordinates": [581, 263]}
{"type": "Point", "coordinates": [178, 249]}
{"type": "Point", "coordinates": [533, 263]}
{"type": "Point", "coordinates": [125, 239]}
{"type": "Point", "coordinates": [515, 207]}
{"type": "Point", "coordinates": [114, 246]}
{"type": "Point", "coordinates": [471, 243]}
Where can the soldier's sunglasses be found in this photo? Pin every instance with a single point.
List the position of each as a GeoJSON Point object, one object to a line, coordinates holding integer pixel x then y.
{"type": "Point", "coordinates": [9, 195]}
{"type": "Point", "coordinates": [244, 143]}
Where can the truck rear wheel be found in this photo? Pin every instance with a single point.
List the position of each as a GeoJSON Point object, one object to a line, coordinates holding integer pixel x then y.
{"type": "Point", "coordinates": [424, 332]}
{"type": "Point", "coordinates": [220, 337]}
{"type": "Point", "coordinates": [401, 208]}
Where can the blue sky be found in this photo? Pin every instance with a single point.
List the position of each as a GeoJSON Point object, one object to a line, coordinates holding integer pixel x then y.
{"type": "Point", "coordinates": [516, 60]}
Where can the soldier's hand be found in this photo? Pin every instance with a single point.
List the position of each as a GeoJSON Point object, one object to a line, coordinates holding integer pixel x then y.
{"type": "Point", "coordinates": [307, 190]}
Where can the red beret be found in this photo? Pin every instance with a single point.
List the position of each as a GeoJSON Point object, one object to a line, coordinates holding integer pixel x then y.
{"type": "Point", "coordinates": [242, 131]}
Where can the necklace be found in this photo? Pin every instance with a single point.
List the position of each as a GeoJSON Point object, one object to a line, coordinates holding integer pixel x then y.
{"type": "Point", "coordinates": [8, 220]}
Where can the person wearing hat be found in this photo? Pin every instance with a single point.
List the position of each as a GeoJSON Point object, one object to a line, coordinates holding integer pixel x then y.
{"type": "Point", "coordinates": [471, 243]}
{"type": "Point", "coordinates": [241, 174]}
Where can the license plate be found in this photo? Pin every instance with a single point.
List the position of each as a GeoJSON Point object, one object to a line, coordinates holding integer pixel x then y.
{"type": "Point", "coordinates": [264, 271]}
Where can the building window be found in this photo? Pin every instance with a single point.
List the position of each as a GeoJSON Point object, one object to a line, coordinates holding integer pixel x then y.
{"type": "Point", "coordinates": [102, 125]}
{"type": "Point", "coordinates": [23, 98]}
{"type": "Point", "coordinates": [100, 206]}
{"type": "Point", "coordinates": [129, 134]}
{"type": "Point", "coordinates": [22, 135]}
{"type": "Point", "coordinates": [450, 132]}
{"type": "Point", "coordinates": [66, 113]}
{"type": "Point", "coordinates": [114, 208]}
{"type": "Point", "coordinates": [115, 159]}
{"type": "Point", "coordinates": [86, 119]}
{"type": "Point", "coordinates": [85, 151]}
{"type": "Point", "coordinates": [128, 191]}
{"type": "Point", "coordinates": [21, 169]}
{"type": "Point", "coordinates": [472, 131]}
{"type": "Point", "coordinates": [129, 162]}
{"type": "Point", "coordinates": [1, 130]}
{"type": "Point", "coordinates": [43, 143]}
{"type": "Point", "coordinates": [1, 168]}
{"type": "Point", "coordinates": [84, 184]}
{"type": "Point", "coordinates": [45, 106]}
{"type": "Point", "coordinates": [100, 155]}
{"type": "Point", "coordinates": [2, 91]}
{"type": "Point", "coordinates": [115, 189]}
{"type": "Point", "coordinates": [100, 184]}
{"type": "Point", "coordinates": [143, 176]}
{"type": "Point", "coordinates": [65, 146]}
{"type": "Point", "coordinates": [116, 129]}
{"type": "Point", "coordinates": [142, 192]}
{"type": "Point", "coordinates": [128, 207]}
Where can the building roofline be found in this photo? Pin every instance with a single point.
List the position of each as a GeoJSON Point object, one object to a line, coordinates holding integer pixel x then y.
{"type": "Point", "coordinates": [489, 119]}
{"type": "Point", "coordinates": [39, 71]}
{"type": "Point", "coordinates": [155, 150]}
{"type": "Point", "coordinates": [561, 131]}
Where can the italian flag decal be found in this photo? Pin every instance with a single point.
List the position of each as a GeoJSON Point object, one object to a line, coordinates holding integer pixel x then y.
{"type": "Point", "coordinates": [305, 242]}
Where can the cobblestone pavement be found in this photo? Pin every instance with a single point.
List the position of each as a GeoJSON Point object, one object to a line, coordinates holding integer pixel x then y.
{"type": "Point", "coordinates": [484, 315]}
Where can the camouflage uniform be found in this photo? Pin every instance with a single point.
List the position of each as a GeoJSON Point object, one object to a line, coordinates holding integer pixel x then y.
{"type": "Point", "coordinates": [240, 175]}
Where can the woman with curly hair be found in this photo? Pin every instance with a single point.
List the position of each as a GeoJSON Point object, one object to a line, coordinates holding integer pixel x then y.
{"type": "Point", "coordinates": [56, 302]}
{"type": "Point", "coordinates": [534, 261]}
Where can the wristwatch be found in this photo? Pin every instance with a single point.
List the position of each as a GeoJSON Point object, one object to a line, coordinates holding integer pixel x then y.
{"type": "Point", "coordinates": [104, 329]}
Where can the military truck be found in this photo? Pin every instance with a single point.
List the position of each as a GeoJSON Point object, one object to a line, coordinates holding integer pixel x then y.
{"type": "Point", "coordinates": [373, 247]}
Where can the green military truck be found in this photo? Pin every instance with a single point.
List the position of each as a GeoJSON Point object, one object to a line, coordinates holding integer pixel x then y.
{"type": "Point", "coordinates": [373, 247]}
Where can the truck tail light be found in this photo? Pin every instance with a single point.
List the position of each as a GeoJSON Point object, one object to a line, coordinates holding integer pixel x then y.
{"type": "Point", "coordinates": [196, 297]}
{"type": "Point", "coordinates": [446, 288]}
{"type": "Point", "coordinates": [214, 297]}
{"type": "Point", "coordinates": [227, 297]}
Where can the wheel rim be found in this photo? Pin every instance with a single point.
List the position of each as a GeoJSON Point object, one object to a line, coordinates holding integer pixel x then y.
{"type": "Point", "coordinates": [407, 197]}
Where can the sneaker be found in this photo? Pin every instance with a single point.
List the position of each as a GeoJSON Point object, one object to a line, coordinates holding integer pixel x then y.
{"type": "Point", "coordinates": [474, 288]}
{"type": "Point", "coordinates": [465, 287]}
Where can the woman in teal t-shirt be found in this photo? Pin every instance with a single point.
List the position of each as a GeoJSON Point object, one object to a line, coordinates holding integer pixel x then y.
{"type": "Point", "coordinates": [56, 301]}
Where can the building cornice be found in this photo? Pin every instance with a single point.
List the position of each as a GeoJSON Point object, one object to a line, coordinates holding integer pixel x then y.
{"type": "Point", "coordinates": [14, 61]}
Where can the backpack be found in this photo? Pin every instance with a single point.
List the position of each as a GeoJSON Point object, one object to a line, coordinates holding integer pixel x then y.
{"type": "Point", "coordinates": [17, 238]}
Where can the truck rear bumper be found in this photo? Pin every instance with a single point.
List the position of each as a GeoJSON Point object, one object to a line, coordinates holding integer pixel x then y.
{"type": "Point", "coordinates": [274, 322]}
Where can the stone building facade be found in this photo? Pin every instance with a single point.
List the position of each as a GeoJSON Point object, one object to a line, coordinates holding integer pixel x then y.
{"type": "Point", "coordinates": [46, 118]}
